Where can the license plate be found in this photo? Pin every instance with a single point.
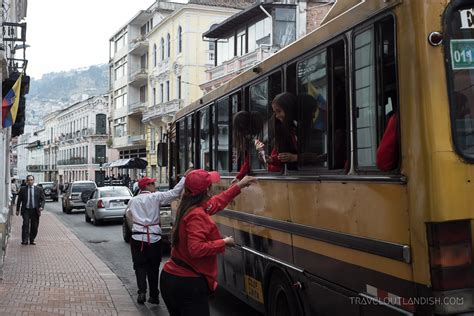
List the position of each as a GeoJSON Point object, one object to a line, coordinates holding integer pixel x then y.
{"type": "Point", "coordinates": [115, 204]}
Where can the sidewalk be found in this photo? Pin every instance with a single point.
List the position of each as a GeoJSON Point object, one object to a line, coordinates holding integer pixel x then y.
{"type": "Point", "coordinates": [58, 276]}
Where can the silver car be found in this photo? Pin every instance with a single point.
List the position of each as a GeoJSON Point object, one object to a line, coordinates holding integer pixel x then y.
{"type": "Point", "coordinates": [107, 204]}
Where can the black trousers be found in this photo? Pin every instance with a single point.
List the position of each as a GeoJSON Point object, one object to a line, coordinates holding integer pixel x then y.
{"type": "Point", "coordinates": [146, 263]}
{"type": "Point", "coordinates": [185, 296]}
{"type": "Point", "coordinates": [29, 230]}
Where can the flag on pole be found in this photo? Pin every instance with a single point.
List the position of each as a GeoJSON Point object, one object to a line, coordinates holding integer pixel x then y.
{"type": "Point", "coordinates": [10, 104]}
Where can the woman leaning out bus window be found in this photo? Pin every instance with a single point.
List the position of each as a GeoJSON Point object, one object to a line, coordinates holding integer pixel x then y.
{"type": "Point", "coordinates": [190, 274]}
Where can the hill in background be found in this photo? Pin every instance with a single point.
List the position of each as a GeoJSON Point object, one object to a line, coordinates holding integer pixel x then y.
{"type": "Point", "coordinates": [57, 90]}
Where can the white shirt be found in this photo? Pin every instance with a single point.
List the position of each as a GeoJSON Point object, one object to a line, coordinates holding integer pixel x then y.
{"type": "Point", "coordinates": [145, 209]}
{"type": "Point", "coordinates": [135, 186]}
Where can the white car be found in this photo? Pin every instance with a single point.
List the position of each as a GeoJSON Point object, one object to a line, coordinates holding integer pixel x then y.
{"type": "Point", "coordinates": [107, 204]}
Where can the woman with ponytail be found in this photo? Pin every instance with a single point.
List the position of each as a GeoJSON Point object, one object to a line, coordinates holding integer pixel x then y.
{"type": "Point", "coordinates": [190, 274]}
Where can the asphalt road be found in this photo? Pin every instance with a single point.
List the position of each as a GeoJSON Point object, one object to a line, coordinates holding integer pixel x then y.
{"type": "Point", "coordinates": [107, 243]}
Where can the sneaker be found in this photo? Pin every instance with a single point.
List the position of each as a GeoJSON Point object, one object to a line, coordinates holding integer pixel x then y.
{"type": "Point", "coordinates": [154, 300]}
{"type": "Point", "coordinates": [141, 298]}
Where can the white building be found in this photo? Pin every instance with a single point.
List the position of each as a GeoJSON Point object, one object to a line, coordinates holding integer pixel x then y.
{"type": "Point", "coordinates": [77, 141]}
{"type": "Point", "coordinates": [35, 164]}
{"type": "Point", "coordinates": [128, 78]}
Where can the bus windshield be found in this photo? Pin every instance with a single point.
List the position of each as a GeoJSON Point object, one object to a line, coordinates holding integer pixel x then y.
{"type": "Point", "coordinates": [460, 29]}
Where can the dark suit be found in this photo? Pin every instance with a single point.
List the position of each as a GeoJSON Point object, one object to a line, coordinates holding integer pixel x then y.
{"type": "Point", "coordinates": [29, 230]}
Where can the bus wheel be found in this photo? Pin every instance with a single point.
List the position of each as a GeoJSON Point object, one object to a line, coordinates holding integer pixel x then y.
{"type": "Point", "coordinates": [281, 298]}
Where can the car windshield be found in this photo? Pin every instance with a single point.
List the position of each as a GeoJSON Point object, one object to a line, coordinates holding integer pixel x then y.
{"type": "Point", "coordinates": [81, 187]}
{"type": "Point", "coordinates": [115, 192]}
{"type": "Point", "coordinates": [46, 185]}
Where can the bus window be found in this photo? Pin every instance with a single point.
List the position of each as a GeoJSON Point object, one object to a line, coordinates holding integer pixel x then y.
{"type": "Point", "coordinates": [460, 65]}
{"type": "Point", "coordinates": [235, 104]}
{"type": "Point", "coordinates": [222, 137]}
{"type": "Point", "coordinates": [190, 141]}
{"type": "Point", "coordinates": [376, 102]}
{"type": "Point", "coordinates": [259, 106]}
{"type": "Point", "coordinates": [204, 135]}
{"type": "Point", "coordinates": [181, 148]}
{"type": "Point", "coordinates": [313, 110]}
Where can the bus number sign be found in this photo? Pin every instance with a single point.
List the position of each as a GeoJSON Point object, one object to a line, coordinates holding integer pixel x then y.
{"type": "Point", "coordinates": [253, 288]}
{"type": "Point", "coordinates": [462, 54]}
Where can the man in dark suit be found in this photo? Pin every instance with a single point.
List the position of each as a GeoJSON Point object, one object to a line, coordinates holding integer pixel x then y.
{"type": "Point", "coordinates": [31, 199]}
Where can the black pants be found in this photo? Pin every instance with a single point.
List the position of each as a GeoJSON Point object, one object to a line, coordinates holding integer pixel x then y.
{"type": "Point", "coordinates": [29, 230]}
{"type": "Point", "coordinates": [185, 296]}
{"type": "Point", "coordinates": [146, 264]}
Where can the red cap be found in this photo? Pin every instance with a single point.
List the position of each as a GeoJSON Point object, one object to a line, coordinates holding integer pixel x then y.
{"type": "Point", "coordinates": [143, 182]}
{"type": "Point", "coordinates": [197, 181]}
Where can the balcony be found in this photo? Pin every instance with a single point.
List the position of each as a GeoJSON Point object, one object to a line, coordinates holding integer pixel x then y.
{"type": "Point", "coordinates": [138, 139]}
{"type": "Point", "coordinates": [159, 111]}
{"type": "Point", "coordinates": [97, 161]}
{"type": "Point", "coordinates": [138, 77]}
{"type": "Point", "coordinates": [138, 46]}
{"type": "Point", "coordinates": [137, 107]}
{"type": "Point", "coordinates": [73, 161]}
{"type": "Point", "coordinates": [230, 68]}
{"type": "Point", "coordinates": [36, 168]}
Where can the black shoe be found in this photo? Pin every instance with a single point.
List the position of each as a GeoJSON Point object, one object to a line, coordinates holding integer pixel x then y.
{"type": "Point", "coordinates": [24, 243]}
{"type": "Point", "coordinates": [154, 300]}
{"type": "Point", "coordinates": [32, 243]}
{"type": "Point", "coordinates": [141, 298]}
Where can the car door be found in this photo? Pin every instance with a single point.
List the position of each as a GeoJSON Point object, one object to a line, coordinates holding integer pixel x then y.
{"type": "Point", "coordinates": [91, 203]}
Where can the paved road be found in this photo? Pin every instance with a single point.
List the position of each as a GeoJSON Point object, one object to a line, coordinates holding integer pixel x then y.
{"type": "Point", "coordinates": [107, 243]}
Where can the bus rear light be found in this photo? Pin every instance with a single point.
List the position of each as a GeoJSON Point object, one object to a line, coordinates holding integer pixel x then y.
{"type": "Point", "coordinates": [450, 246]}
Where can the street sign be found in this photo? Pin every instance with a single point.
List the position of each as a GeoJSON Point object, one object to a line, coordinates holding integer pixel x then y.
{"type": "Point", "coordinates": [462, 54]}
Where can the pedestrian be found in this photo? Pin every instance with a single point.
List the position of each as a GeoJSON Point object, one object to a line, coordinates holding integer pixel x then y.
{"type": "Point", "coordinates": [31, 202]}
{"type": "Point", "coordinates": [14, 191]}
{"type": "Point", "coordinates": [190, 274]}
{"type": "Point", "coordinates": [145, 244]}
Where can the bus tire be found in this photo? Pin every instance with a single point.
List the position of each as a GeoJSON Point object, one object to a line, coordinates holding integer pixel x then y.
{"type": "Point", "coordinates": [281, 297]}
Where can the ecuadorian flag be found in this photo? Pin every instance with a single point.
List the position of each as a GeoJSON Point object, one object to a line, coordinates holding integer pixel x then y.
{"type": "Point", "coordinates": [10, 104]}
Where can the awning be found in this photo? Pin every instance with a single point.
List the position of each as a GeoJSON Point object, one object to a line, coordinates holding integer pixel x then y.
{"type": "Point", "coordinates": [130, 163]}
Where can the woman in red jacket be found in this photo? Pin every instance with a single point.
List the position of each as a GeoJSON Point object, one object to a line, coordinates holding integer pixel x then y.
{"type": "Point", "coordinates": [190, 274]}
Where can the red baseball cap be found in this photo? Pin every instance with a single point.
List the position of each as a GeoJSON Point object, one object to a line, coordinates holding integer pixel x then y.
{"type": "Point", "coordinates": [197, 181]}
{"type": "Point", "coordinates": [143, 182]}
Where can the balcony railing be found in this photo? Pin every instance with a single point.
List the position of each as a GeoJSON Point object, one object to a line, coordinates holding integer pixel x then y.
{"type": "Point", "coordinates": [36, 168]}
{"type": "Point", "coordinates": [137, 107]}
{"type": "Point", "coordinates": [138, 77]}
{"type": "Point", "coordinates": [136, 139]}
{"type": "Point", "coordinates": [73, 161]}
{"type": "Point", "coordinates": [163, 109]}
{"type": "Point", "coordinates": [138, 46]}
{"type": "Point", "coordinates": [99, 160]}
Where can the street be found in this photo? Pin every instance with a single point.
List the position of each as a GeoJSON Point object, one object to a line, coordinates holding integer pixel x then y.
{"type": "Point", "coordinates": [107, 243]}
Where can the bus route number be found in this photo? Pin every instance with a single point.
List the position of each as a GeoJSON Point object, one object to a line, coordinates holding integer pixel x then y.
{"type": "Point", "coordinates": [253, 288]}
{"type": "Point", "coordinates": [462, 54]}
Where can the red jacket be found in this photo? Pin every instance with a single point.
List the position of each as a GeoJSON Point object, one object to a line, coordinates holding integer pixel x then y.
{"type": "Point", "coordinates": [245, 168]}
{"type": "Point", "coordinates": [387, 152]}
{"type": "Point", "coordinates": [200, 240]}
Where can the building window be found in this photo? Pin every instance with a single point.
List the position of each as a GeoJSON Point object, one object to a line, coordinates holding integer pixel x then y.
{"type": "Point", "coordinates": [178, 81]}
{"type": "Point", "coordinates": [162, 48]}
{"type": "Point", "coordinates": [167, 91]}
{"type": "Point", "coordinates": [143, 94]}
{"type": "Point", "coordinates": [154, 96]}
{"type": "Point", "coordinates": [162, 90]}
{"type": "Point", "coordinates": [241, 43]}
{"type": "Point", "coordinates": [120, 68]}
{"type": "Point", "coordinates": [154, 55]}
{"type": "Point", "coordinates": [152, 139]}
{"type": "Point", "coordinates": [100, 153]}
{"type": "Point", "coordinates": [101, 124]}
{"type": "Point", "coordinates": [180, 39]}
{"type": "Point", "coordinates": [285, 26]}
{"type": "Point", "coordinates": [120, 100]}
{"type": "Point", "coordinates": [168, 45]}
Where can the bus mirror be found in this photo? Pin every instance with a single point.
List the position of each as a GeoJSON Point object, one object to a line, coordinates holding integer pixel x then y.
{"type": "Point", "coordinates": [162, 150]}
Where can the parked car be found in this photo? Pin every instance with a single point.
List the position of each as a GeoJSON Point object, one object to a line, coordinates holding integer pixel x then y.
{"type": "Point", "coordinates": [166, 223]}
{"type": "Point", "coordinates": [107, 204]}
{"type": "Point", "coordinates": [50, 190]}
{"type": "Point", "coordinates": [72, 198]}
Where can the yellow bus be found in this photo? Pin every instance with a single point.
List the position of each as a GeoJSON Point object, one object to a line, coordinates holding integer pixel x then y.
{"type": "Point", "coordinates": [343, 236]}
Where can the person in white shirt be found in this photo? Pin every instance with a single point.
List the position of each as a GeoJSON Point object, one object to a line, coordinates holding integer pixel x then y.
{"type": "Point", "coordinates": [145, 243]}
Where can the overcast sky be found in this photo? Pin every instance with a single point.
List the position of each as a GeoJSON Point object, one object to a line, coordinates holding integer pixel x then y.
{"type": "Point", "coordinates": [67, 34]}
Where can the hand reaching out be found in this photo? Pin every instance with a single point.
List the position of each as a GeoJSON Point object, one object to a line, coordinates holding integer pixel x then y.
{"type": "Point", "coordinates": [246, 181]}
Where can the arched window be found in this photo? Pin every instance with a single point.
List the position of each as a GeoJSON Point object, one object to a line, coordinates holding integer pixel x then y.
{"type": "Point", "coordinates": [101, 124]}
{"type": "Point", "coordinates": [155, 55]}
{"type": "Point", "coordinates": [168, 45]}
{"type": "Point", "coordinates": [180, 39]}
{"type": "Point", "coordinates": [162, 47]}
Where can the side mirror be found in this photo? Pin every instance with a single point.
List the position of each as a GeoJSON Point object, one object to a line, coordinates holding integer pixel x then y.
{"type": "Point", "coordinates": [86, 196]}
